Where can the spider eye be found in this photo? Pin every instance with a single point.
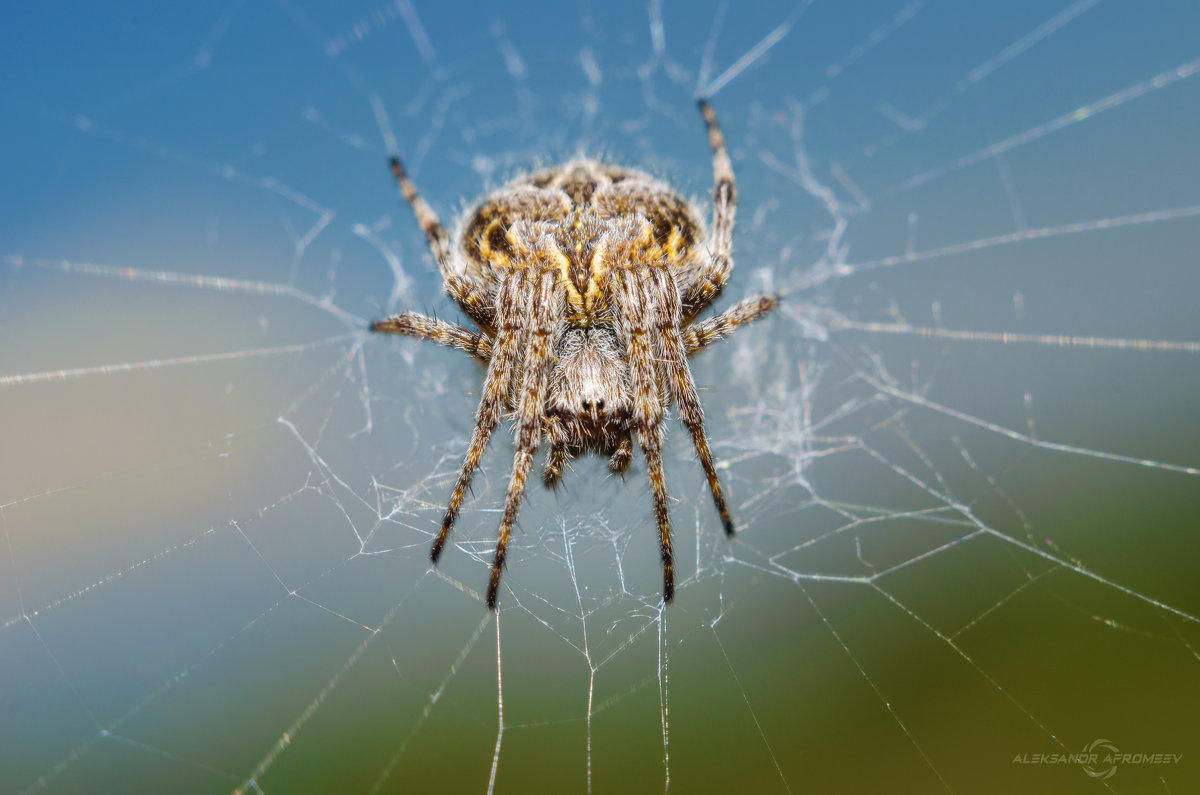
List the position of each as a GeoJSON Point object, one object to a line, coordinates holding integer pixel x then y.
{"type": "Point", "coordinates": [587, 405]}
{"type": "Point", "coordinates": [600, 404]}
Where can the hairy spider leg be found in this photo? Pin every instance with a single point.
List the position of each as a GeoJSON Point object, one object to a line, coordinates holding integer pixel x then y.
{"type": "Point", "coordinates": [632, 300]}
{"type": "Point", "coordinates": [621, 457]}
{"type": "Point", "coordinates": [546, 313]}
{"type": "Point", "coordinates": [556, 459]}
{"type": "Point", "coordinates": [472, 297]}
{"type": "Point", "coordinates": [512, 306]}
{"type": "Point", "coordinates": [679, 379]}
{"type": "Point", "coordinates": [714, 272]}
{"type": "Point", "coordinates": [699, 336]}
{"type": "Point", "coordinates": [413, 324]}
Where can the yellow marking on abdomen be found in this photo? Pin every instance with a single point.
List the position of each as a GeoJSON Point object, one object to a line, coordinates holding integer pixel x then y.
{"type": "Point", "coordinates": [563, 265]}
{"type": "Point", "coordinates": [597, 276]}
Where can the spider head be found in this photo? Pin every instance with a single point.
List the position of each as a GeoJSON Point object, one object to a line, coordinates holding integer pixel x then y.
{"type": "Point", "coordinates": [589, 388]}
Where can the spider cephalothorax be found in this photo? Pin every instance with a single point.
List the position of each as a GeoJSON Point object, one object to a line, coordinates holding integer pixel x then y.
{"type": "Point", "coordinates": [585, 281]}
{"type": "Point", "coordinates": [589, 406]}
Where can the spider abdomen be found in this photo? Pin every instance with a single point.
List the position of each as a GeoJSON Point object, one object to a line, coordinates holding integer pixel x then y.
{"type": "Point", "coordinates": [585, 220]}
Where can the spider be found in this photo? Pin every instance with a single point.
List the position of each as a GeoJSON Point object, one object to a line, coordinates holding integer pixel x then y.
{"type": "Point", "coordinates": [584, 282]}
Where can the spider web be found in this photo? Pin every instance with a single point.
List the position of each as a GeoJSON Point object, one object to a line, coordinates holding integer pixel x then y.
{"type": "Point", "coordinates": [962, 456]}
